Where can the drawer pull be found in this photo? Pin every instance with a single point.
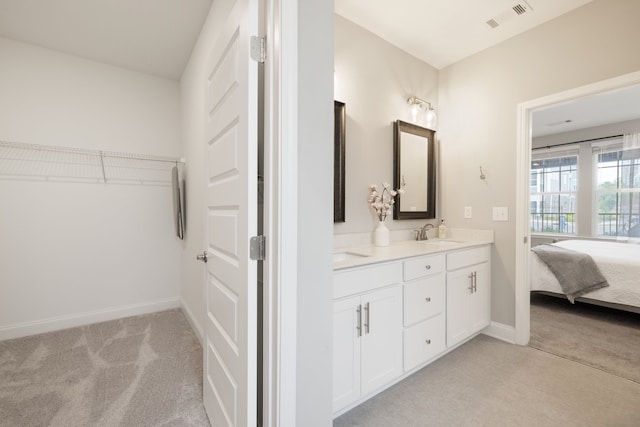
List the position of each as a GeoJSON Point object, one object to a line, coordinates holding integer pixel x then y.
{"type": "Point", "coordinates": [428, 341]}
{"type": "Point", "coordinates": [428, 267]}
{"type": "Point", "coordinates": [428, 299]}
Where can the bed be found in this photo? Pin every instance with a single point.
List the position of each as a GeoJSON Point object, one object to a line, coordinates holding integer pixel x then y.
{"type": "Point", "coordinates": [619, 263]}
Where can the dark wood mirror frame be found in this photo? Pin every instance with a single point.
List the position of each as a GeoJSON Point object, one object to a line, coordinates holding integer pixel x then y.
{"type": "Point", "coordinates": [340, 118]}
{"type": "Point", "coordinates": [401, 127]}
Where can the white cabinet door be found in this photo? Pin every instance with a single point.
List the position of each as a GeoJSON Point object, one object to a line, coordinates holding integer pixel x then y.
{"type": "Point", "coordinates": [468, 302]}
{"type": "Point", "coordinates": [381, 341]}
{"type": "Point", "coordinates": [482, 296]}
{"type": "Point", "coordinates": [346, 352]}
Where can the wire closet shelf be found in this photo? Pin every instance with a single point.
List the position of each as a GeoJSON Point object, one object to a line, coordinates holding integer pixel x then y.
{"type": "Point", "coordinates": [54, 163]}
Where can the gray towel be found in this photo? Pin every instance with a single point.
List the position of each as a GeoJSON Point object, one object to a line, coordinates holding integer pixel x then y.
{"type": "Point", "coordinates": [576, 272]}
{"type": "Point", "coordinates": [178, 206]}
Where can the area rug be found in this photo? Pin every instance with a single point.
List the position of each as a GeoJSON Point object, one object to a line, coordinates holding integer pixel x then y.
{"type": "Point", "coordinates": [138, 371]}
{"type": "Point", "coordinates": [603, 338]}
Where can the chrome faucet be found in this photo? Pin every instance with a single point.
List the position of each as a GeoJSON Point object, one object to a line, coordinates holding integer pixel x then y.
{"type": "Point", "coordinates": [422, 234]}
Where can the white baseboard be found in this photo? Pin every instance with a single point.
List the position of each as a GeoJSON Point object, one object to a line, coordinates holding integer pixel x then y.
{"type": "Point", "coordinates": [501, 331]}
{"type": "Point", "coordinates": [81, 319]}
{"type": "Point", "coordinates": [195, 325]}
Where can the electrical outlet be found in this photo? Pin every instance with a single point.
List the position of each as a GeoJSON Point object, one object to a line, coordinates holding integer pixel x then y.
{"type": "Point", "coordinates": [468, 212]}
{"type": "Point", "coordinates": [501, 214]}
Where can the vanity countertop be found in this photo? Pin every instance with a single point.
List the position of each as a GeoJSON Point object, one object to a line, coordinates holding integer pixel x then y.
{"type": "Point", "coordinates": [347, 257]}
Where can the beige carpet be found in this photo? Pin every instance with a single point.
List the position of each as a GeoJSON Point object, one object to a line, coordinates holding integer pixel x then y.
{"type": "Point", "coordinates": [138, 371]}
{"type": "Point", "coordinates": [486, 382]}
{"type": "Point", "coordinates": [600, 337]}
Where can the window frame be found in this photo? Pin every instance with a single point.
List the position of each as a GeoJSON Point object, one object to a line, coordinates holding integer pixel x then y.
{"type": "Point", "coordinates": [609, 147]}
{"type": "Point", "coordinates": [553, 154]}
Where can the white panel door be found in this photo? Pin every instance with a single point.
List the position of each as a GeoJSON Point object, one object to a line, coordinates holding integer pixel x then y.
{"type": "Point", "coordinates": [230, 351]}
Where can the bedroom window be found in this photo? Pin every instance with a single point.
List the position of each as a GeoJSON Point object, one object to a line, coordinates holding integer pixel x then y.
{"type": "Point", "coordinates": [554, 183]}
{"type": "Point", "coordinates": [617, 190]}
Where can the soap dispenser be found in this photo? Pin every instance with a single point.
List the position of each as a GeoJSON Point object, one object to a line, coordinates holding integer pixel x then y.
{"type": "Point", "coordinates": [442, 230]}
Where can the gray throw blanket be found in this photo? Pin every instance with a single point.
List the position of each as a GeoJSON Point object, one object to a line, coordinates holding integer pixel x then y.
{"type": "Point", "coordinates": [577, 273]}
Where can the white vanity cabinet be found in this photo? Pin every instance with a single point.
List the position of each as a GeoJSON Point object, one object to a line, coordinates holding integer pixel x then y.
{"type": "Point", "coordinates": [367, 331]}
{"type": "Point", "coordinates": [424, 294]}
{"type": "Point", "coordinates": [468, 293]}
{"type": "Point", "coordinates": [393, 317]}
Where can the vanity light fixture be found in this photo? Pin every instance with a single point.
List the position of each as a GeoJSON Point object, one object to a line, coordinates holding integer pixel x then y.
{"type": "Point", "coordinates": [417, 104]}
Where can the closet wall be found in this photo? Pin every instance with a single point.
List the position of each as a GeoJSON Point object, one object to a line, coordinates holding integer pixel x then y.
{"type": "Point", "coordinates": [77, 252]}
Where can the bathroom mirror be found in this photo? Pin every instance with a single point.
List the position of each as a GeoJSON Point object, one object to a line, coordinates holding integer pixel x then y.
{"type": "Point", "coordinates": [340, 116]}
{"type": "Point", "coordinates": [414, 171]}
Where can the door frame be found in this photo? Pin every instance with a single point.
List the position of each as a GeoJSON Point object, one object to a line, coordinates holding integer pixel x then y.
{"type": "Point", "coordinates": [280, 163]}
{"type": "Point", "coordinates": [523, 161]}
{"type": "Point", "coordinates": [296, 364]}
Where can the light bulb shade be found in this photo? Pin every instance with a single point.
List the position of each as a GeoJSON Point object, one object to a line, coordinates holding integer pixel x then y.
{"type": "Point", "coordinates": [432, 118]}
{"type": "Point", "coordinates": [415, 109]}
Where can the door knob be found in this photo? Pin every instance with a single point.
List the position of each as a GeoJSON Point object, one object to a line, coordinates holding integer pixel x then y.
{"type": "Point", "coordinates": [202, 257]}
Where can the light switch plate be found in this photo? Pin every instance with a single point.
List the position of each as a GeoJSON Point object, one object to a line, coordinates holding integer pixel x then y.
{"type": "Point", "coordinates": [468, 212]}
{"type": "Point", "coordinates": [501, 214]}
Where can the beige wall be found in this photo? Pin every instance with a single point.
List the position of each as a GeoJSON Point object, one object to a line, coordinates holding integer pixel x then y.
{"type": "Point", "coordinates": [478, 101]}
{"type": "Point", "coordinates": [374, 79]}
{"type": "Point", "coordinates": [314, 267]}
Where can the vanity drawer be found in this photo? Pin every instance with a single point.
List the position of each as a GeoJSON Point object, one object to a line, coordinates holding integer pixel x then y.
{"type": "Point", "coordinates": [424, 341]}
{"type": "Point", "coordinates": [459, 259]}
{"type": "Point", "coordinates": [424, 298]}
{"type": "Point", "coordinates": [362, 279]}
{"type": "Point", "coordinates": [423, 266]}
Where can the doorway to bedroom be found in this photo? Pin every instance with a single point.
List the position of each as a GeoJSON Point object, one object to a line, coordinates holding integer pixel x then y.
{"type": "Point", "coordinates": [581, 192]}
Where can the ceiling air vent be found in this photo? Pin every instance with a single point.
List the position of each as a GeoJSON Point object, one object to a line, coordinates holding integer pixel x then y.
{"type": "Point", "coordinates": [516, 10]}
{"type": "Point", "coordinates": [519, 9]}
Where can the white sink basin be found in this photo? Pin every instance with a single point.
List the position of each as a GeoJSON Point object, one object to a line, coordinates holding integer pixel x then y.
{"type": "Point", "coordinates": [441, 242]}
{"type": "Point", "coordinates": [348, 256]}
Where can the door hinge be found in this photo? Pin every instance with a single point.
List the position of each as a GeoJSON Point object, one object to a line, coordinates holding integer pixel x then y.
{"type": "Point", "coordinates": [257, 249]}
{"type": "Point", "coordinates": [258, 49]}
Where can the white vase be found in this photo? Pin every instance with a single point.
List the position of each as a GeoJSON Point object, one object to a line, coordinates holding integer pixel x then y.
{"type": "Point", "coordinates": [381, 235]}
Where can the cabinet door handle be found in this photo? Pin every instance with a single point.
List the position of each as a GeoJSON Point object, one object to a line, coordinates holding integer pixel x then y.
{"type": "Point", "coordinates": [428, 267]}
{"type": "Point", "coordinates": [428, 299]}
{"type": "Point", "coordinates": [428, 341]}
{"type": "Point", "coordinates": [366, 318]}
{"type": "Point", "coordinates": [359, 326]}
{"type": "Point", "coordinates": [475, 281]}
{"type": "Point", "coordinates": [470, 283]}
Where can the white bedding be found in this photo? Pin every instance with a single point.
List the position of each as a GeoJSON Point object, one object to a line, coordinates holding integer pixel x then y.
{"type": "Point", "coordinates": [618, 262]}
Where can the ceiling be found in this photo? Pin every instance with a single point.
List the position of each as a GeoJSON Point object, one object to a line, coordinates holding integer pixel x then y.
{"type": "Point", "coordinates": [441, 32]}
{"type": "Point", "coordinates": [150, 36]}
{"type": "Point", "coordinates": [595, 110]}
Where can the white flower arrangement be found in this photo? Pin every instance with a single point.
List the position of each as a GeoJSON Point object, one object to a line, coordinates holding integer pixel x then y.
{"type": "Point", "coordinates": [383, 201]}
